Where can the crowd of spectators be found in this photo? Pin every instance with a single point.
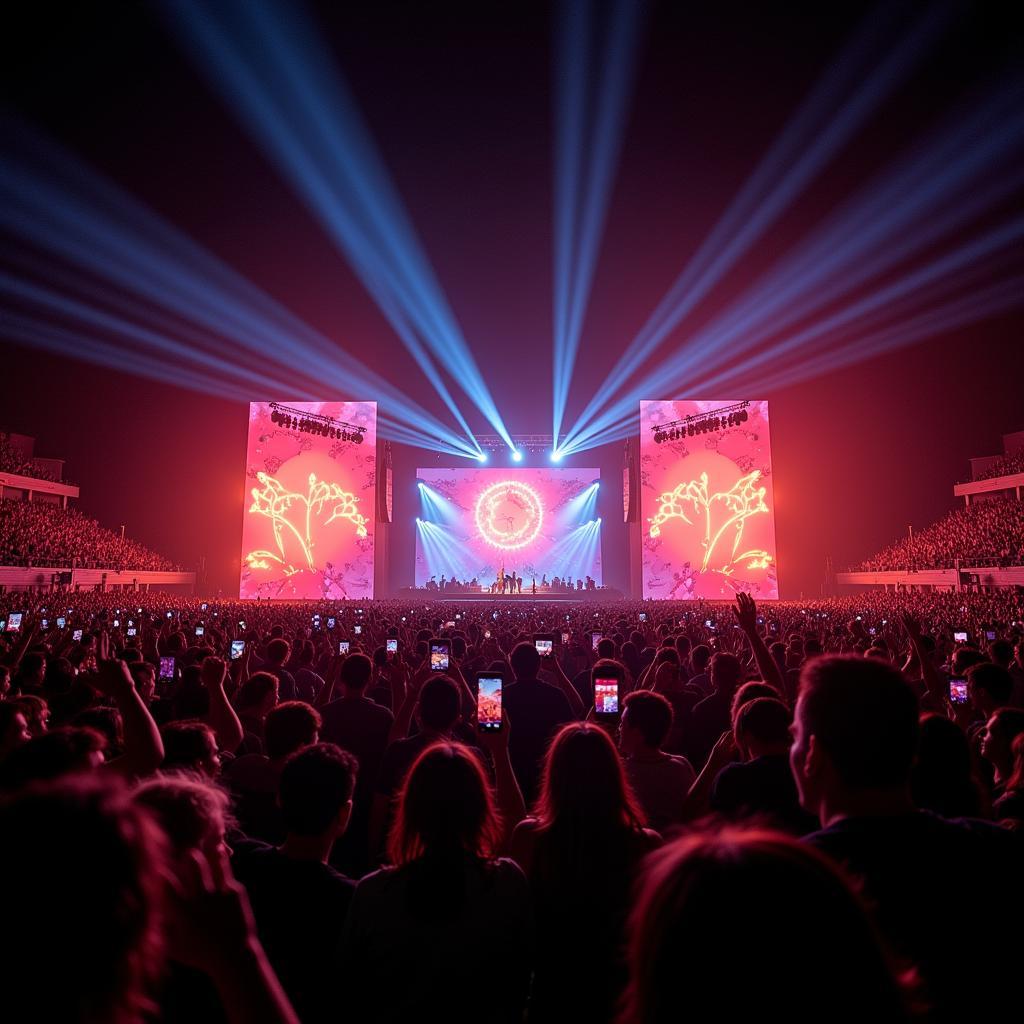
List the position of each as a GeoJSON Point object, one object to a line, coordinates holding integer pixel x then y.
{"type": "Point", "coordinates": [40, 533]}
{"type": "Point", "coordinates": [1008, 465]}
{"type": "Point", "coordinates": [252, 811]}
{"type": "Point", "coordinates": [12, 462]}
{"type": "Point", "coordinates": [984, 533]}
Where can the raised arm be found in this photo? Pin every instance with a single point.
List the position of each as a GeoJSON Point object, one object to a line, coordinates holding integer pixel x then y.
{"type": "Point", "coordinates": [929, 673]}
{"type": "Point", "coordinates": [221, 715]}
{"type": "Point", "coordinates": [564, 683]}
{"type": "Point", "coordinates": [698, 800]}
{"type": "Point", "coordinates": [510, 797]}
{"type": "Point", "coordinates": [746, 616]}
{"type": "Point", "coordinates": [143, 747]}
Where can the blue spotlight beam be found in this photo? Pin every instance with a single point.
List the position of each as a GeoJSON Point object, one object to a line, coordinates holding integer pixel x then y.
{"type": "Point", "coordinates": [963, 171]}
{"type": "Point", "coordinates": [813, 138]}
{"type": "Point", "coordinates": [60, 206]}
{"type": "Point", "coordinates": [586, 154]}
{"type": "Point", "coordinates": [271, 66]}
{"type": "Point", "coordinates": [857, 347]}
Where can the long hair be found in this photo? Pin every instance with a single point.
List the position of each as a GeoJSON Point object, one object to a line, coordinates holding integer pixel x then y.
{"type": "Point", "coordinates": [820, 944]}
{"type": "Point", "coordinates": [445, 828]}
{"type": "Point", "coordinates": [583, 784]}
{"type": "Point", "coordinates": [83, 933]}
{"type": "Point", "coordinates": [445, 808]}
{"type": "Point", "coordinates": [1015, 782]}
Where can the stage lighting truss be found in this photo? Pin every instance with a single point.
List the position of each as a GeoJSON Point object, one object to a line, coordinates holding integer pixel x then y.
{"type": "Point", "coordinates": [522, 442]}
{"type": "Point", "coordinates": [315, 423]}
{"type": "Point", "coordinates": [505, 530]}
{"type": "Point", "coordinates": [714, 420]}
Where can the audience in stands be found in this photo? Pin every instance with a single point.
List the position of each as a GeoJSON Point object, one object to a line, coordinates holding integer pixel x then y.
{"type": "Point", "coordinates": [40, 533]}
{"type": "Point", "coordinates": [842, 721]}
{"type": "Point", "coordinates": [11, 461]}
{"type": "Point", "coordinates": [1008, 465]}
{"type": "Point", "coordinates": [984, 533]}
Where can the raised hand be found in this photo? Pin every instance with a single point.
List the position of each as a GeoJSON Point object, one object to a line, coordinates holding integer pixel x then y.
{"type": "Point", "coordinates": [746, 613]}
{"type": "Point", "coordinates": [213, 672]}
{"type": "Point", "coordinates": [911, 625]}
{"type": "Point", "coordinates": [112, 679]}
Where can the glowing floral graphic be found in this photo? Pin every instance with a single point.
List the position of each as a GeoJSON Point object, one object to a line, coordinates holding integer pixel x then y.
{"type": "Point", "coordinates": [740, 502]}
{"type": "Point", "coordinates": [294, 517]}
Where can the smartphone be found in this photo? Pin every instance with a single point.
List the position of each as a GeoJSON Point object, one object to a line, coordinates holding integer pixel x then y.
{"type": "Point", "coordinates": [709, 623]}
{"type": "Point", "coordinates": [403, 618]}
{"type": "Point", "coordinates": [316, 618]}
{"type": "Point", "coordinates": [76, 635]}
{"type": "Point", "coordinates": [960, 636]}
{"type": "Point", "coordinates": [200, 630]}
{"type": "Point", "coordinates": [487, 634]}
{"type": "Point", "coordinates": [359, 611]}
{"type": "Point", "coordinates": [237, 649]}
{"type": "Point", "coordinates": [14, 621]}
{"type": "Point", "coordinates": [606, 696]}
{"type": "Point", "coordinates": [132, 631]}
{"type": "Point", "coordinates": [166, 668]}
{"type": "Point", "coordinates": [169, 615]}
{"type": "Point", "coordinates": [990, 635]}
{"type": "Point", "coordinates": [138, 611]}
{"type": "Point", "coordinates": [203, 606]}
{"type": "Point", "coordinates": [331, 622]}
{"type": "Point", "coordinates": [872, 631]}
{"type": "Point", "coordinates": [958, 691]}
{"type": "Point", "coordinates": [458, 615]}
{"type": "Point", "coordinates": [61, 622]}
{"type": "Point", "coordinates": [595, 639]}
{"type": "Point", "coordinates": [391, 646]}
{"type": "Point", "coordinates": [117, 622]}
{"type": "Point", "coordinates": [3, 625]}
{"type": "Point", "coordinates": [545, 645]}
{"type": "Point", "coordinates": [643, 616]}
{"type": "Point", "coordinates": [343, 647]}
{"type": "Point", "coordinates": [131, 622]}
{"type": "Point", "coordinates": [357, 629]}
{"type": "Point", "coordinates": [439, 654]}
{"type": "Point", "coordinates": [565, 638]}
{"type": "Point", "coordinates": [45, 624]}
{"type": "Point", "coordinates": [449, 625]}
{"type": "Point", "coordinates": [241, 623]}
{"type": "Point", "coordinates": [488, 701]}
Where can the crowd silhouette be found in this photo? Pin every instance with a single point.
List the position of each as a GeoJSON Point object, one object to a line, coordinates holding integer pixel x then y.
{"type": "Point", "coordinates": [804, 810]}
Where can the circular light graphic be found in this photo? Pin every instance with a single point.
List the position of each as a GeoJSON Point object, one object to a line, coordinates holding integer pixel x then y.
{"type": "Point", "coordinates": [509, 515]}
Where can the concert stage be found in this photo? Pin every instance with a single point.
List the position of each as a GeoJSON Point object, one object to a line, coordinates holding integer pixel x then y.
{"type": "Point", "coordinates": [548, 597]}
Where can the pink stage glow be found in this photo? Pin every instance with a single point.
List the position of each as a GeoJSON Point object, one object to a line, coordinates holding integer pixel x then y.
{"type": "Point", "coordinates": [308, 523]}
{"type": "Point", "coordinates": [534, 522]}
{"type": "Point", "coordinates": [707, 506]}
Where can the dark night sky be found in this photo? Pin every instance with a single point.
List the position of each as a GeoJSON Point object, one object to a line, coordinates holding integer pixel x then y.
{"type": "Point", "coordinates": [459, 101]}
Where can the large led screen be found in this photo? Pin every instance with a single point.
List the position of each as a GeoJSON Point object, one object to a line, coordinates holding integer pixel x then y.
{"type": "Point", "coordinates": [540, 524]}
{"type": "Point", "coordinates": [310, 486]}
{"type": "Point", "coordinates": [707, 506]}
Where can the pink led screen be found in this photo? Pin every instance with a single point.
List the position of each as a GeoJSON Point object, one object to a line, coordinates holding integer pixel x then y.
{"type": "Point", "coordinates": [707, 505]}
{"type": "Point", "coordinates": [308, 521]}
{"type": "Point", "coordinates": [537, 523]}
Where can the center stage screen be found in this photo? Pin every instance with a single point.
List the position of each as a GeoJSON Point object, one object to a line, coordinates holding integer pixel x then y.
{"type": "Point", "coordinates": [707, 505]}
{"type": "Point", "coordinates": [535, 522]}
{"type": "Point", "coordinates": [309, 505]}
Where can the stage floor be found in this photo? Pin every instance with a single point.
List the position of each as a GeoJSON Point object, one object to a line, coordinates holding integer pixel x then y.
{"type": "Point", "coordinates": [548, 597]}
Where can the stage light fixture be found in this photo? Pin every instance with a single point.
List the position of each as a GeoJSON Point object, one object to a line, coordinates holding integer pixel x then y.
{"type": "Point", "coordinates": [482, 457]}
{"type": "Point", "coordinates": [357, 438]}
{"type": "Point", "coordinates": [556, 456]}
{"type": "Point", "coordinates": [517, 455]}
